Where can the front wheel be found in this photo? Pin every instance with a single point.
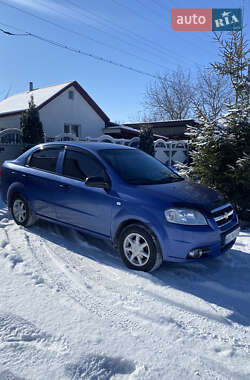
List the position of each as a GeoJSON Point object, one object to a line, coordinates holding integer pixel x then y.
{"type": "Point", "coordinates": [20, 211]}
{"type": "Point", "coordinates": [139, 249]}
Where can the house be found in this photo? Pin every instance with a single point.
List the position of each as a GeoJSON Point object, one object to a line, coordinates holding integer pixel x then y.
{"type": "Point", "coordinates": [63, 108]}
{"type": "Point", "coordinates": [173, 129]}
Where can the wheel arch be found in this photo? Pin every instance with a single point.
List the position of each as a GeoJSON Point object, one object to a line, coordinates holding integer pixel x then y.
{"type": "Point", "coordinates": [11, 197]}
{"type": "Point", "coordinates": [31, 218]}
{"type": "Point", "coordinates": [16, 188]}
{"type": "Point", "coordinates": [129, 222]}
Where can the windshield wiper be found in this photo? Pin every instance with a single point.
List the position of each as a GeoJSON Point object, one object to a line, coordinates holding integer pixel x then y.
{"type": "Point", "coordinates": [140, 181]}
{"type": "Point", "coordinates": [148, 181]}
{"type": "Point", "coordinates": [169, 179]}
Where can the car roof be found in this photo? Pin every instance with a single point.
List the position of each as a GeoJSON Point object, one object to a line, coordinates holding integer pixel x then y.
{"type": "Point", "coordinates": [88, 145]}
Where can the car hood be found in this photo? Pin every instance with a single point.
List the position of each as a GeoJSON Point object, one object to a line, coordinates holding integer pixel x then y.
{"type": "Point", "coordinates": [184, 194]}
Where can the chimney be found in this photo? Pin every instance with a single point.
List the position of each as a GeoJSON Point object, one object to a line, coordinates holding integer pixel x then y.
{"type": "Point", "coordinates": [31, 86]}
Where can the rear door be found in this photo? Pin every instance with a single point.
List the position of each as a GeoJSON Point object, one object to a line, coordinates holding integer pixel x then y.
{"type": "Point", "coordinates": [41, 180]}
{"type": "Point", "coordinates": [85, 207]}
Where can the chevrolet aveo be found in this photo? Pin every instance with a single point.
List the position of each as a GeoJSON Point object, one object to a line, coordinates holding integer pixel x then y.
{"type": "Point", "coordinates": [120, 193]}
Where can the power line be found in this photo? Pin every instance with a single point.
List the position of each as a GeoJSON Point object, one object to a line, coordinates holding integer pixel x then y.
{"type": "Point", "coordinates": [96, 57]}
{"type": "Point", "coordinates": [90, 15]}
{"type": "Point", "coordinates": [148, 43]}
{"type": "Point", "coordinates": [168, 53]}
{"type": "Point", "coordinates": [160, 26]}
{"type": "Point", "coordinates": [12, 34]}
{"type": "Point", "coordinates": [157, 48]}
{"type": "Point", "coordinates": [80, 34]}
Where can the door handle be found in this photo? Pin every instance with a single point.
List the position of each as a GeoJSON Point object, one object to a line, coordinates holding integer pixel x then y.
{"type": "Point", "coordinates": [24, 175]}
{"type": "Point", "coordinates": [64, 186]}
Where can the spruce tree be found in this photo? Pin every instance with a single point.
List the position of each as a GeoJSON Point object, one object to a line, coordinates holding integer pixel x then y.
{"type": "Point", "coordinates": [220, 149]}
{"type": "Point", "coordinates": [147, 140]}
{"type": "Point", "coordinates": [31, 126]}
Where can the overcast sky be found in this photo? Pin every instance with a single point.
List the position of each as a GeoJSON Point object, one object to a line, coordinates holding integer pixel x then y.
{"type": "Point", "coordinates": [134, 33]}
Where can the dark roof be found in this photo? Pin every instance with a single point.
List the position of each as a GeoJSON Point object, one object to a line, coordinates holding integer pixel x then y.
{"type": "Point", "coordinates": [163, 124]}
{"type": "Point", "coordinates": [120, 129]}
{"type": "Point", "coordinates": [124, 131]}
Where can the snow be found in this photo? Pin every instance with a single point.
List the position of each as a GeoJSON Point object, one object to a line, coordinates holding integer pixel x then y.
{"type": "Point", "coordinates": [20, 102]}
{"type": "Point", "coordinates": [69, 309]}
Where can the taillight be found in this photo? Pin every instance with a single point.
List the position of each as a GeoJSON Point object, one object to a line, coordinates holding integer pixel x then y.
{"type": "Point", "coordinates": [1, 172]}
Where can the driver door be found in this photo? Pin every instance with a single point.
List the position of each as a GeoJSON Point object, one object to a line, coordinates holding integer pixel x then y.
{"type": "Point", "coordinates": [81, 206]}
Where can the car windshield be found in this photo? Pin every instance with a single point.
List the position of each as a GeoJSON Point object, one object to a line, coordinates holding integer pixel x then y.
{"type": "Point", "coordinates": [137, 167]}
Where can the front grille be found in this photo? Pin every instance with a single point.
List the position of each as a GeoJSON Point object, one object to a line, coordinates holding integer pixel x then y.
{"type": "Point", "coordinates": [223, 215]}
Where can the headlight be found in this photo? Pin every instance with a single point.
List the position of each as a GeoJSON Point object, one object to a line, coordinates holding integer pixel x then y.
{"type": "Point", "coordinates": [185, 216]}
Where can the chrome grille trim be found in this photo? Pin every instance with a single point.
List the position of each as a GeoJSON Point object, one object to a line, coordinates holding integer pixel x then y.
{"type": "Point", "coordinates": [217, 218]}
{"type": "Point", "coordinates": [221, 207]}
{"type": "Point", "coordinates": [223, 214]}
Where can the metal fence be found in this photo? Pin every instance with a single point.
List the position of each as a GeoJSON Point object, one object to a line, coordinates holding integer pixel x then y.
{"type": "Point", "coordinates": [169, 152]}
{"type": "Point", "coordinates": [10, 144]}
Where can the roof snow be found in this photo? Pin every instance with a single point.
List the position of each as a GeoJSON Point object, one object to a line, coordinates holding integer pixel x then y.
{"type": "Point", "coordinates": [20, 102]}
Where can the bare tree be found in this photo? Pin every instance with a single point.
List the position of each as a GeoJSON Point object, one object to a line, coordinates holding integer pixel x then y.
{"type": "Point", "coordinates": [212, 93]}
{"type": "Point", "coordinates": [177, 96]}
{"type": "Point", "coordinates": [169, 97]}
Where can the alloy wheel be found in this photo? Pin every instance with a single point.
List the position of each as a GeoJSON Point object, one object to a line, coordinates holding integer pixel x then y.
{"type": "Point", "coordinates": [136, 249]}
{"type": "Point", "coordinates": [19, 210]}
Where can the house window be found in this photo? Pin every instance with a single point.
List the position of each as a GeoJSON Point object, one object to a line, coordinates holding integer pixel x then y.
{"type": "Point", "coordinates": [71, 94]}
{"type": "Point", "coordinates": [75, 129]}
{"type": "Point", "coordinates": [66, 128]}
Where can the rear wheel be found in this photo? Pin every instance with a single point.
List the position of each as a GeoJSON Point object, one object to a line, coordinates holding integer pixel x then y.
{"type": "Point", "coordinates": [139, 248]}
{"type": "Point", "coordinates": [20, 211]}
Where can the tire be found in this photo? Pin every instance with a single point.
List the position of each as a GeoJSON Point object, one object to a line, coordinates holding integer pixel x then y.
{"type": "Point", "coordinates": [21, 211]}
{"type": "Point", "coordinates": [139, 248]}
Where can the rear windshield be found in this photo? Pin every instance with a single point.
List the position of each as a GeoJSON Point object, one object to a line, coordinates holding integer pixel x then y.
{"type": "Point", "coordinates": [137, 167]}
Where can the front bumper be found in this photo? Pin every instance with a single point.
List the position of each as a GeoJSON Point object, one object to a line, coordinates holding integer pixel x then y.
{"type": "Point", "coordinates": [180, 240]}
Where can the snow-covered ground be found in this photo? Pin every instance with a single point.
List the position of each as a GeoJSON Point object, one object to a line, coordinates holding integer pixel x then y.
{"type": "Point", "coordinates": [69, 309]}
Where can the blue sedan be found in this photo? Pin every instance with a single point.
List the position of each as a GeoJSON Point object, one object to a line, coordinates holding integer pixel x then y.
{"type": "Point", "coordinates": [120, 193]}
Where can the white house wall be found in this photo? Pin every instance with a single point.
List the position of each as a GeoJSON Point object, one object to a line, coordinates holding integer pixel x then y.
{"type": "Point", "coordinates": [63, 110]}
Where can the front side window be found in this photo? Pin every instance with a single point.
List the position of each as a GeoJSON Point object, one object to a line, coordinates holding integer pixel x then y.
{"type": "Point", "coordinates": [80, 165]}
{"type": "Point", "coordinates": [45, 159]}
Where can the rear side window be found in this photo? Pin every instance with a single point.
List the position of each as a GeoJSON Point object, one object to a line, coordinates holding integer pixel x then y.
{"type": "Point", "coordinates": [45, 159]}
{"type": "Point", "coordinates": [80, 165]}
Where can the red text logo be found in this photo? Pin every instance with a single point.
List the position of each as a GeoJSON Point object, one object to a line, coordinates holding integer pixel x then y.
{"type": "Point", "coordinates": [191, 19]}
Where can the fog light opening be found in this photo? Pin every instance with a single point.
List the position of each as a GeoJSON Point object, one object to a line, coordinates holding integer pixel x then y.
{"type": "Point", "coordinates": [198, 253]}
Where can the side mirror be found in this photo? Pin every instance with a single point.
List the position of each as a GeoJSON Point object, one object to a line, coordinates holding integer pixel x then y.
{"type": "Point", "coordinates": [99, 182]}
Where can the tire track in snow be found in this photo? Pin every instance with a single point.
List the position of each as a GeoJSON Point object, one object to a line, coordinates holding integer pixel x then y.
{"type": "Point", "coordinates": [15, 330]}
{"type": "Point", "coordinates": [75, 283]}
